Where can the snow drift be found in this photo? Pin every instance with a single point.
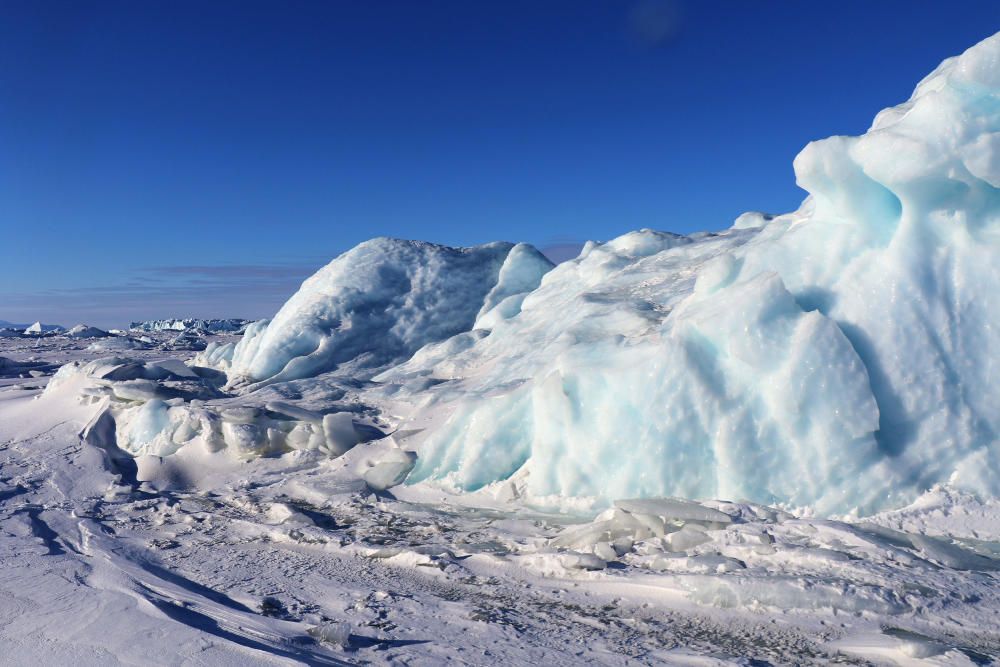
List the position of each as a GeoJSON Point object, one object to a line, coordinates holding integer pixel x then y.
{"type": "Point", "coordinates": [86, 331]}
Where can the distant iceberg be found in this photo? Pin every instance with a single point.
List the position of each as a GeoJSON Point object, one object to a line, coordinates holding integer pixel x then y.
{"type": "Point", "coordinates": [192, 324]}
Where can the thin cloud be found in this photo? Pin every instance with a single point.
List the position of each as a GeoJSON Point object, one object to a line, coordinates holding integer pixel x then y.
{"type": "Point", "coordinates": [245, 290]}
{"type": "Point", "coordinates": [234, 271]}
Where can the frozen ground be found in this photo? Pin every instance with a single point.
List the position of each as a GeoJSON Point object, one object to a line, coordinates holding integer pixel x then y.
{"type": "Point", "coordinates": [293, 559]}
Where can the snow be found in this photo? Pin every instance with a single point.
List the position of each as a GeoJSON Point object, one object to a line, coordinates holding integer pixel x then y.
{"type": "Point", "coordinates": [116, 343]}
{"type": "Point", "coordinates": [220, 558]}
{"type": "Point", "coordinates": [374, 306]}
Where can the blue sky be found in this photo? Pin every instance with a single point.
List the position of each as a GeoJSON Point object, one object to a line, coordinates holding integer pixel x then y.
{"type": "Point", "coordinates": [184, 158]}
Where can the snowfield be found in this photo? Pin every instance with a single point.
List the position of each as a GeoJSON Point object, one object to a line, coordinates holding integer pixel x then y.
{"type": "Point", "coordinates": [775, 444]}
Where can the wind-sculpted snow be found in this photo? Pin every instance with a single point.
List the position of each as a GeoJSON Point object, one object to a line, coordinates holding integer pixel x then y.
{"type": "Point", "coordinates": [377, 304]}
{"type": "Point", "coordinates": [842, 356]}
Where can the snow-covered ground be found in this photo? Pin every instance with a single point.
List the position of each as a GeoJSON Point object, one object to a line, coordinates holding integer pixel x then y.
{"type": "Point", "coordinates": [775, 444]}
{"type": "Point", "coordinates": [294, 559]}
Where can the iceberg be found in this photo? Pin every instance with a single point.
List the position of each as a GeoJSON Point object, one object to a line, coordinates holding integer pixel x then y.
{"type": "Point", "coordinates": [39, 329]}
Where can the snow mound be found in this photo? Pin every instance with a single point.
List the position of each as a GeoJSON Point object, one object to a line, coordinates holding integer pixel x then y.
{"type": "Point", "coordinates": [85, 331]}
{"type": "Point", "coordinates": [841, 357]}
{"type": "Point", "coordinates": [378, 303]}
{"type": "Point", "coordinates": [116, 343]}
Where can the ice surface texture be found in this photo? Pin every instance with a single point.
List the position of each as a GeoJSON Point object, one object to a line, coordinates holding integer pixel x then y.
{"type": "Point", "coordinates": [378, 303]}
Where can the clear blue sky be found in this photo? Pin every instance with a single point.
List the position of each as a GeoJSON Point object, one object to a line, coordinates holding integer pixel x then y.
{"type": "Point", "coordinates": [200, 158]}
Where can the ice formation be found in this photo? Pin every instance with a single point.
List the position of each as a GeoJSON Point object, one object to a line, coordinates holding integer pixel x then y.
{"type": "Point", "coordinates": [842, 356]}
{"type": "Point", "coordinates": [378, 303]}
{"type": "Point", "coordinates": [39, 329]}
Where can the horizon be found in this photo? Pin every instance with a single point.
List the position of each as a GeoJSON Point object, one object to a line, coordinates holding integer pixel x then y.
{"type": "Point", "coordinates": [173, 161]}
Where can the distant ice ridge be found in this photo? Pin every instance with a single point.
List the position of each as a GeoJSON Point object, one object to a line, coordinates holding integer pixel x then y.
{"type": "Point", "coordinates": [377, 304]}
{"type": "Point", "coordinates": [232, 325]}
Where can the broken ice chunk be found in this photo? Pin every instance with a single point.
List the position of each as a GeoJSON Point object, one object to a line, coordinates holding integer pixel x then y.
{"type": "Point", "coordinates": [333, 633]}
{"type": "Point", "coordinates": [340, 433]}
{"type": "Point", "coordinates": [573, 560]}
{"type": "Point", "coordinates": [673, 508]}
{"type": "Point", "coordinates": [390, 470]}
{"type": "Point", "coordinates": [686, 538]}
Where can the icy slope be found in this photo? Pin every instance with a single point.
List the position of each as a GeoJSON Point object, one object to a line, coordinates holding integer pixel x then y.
{"type": "Point", "coordinates": [381, 301]}
{"type": "Point", "coordinates": [842, 356]}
